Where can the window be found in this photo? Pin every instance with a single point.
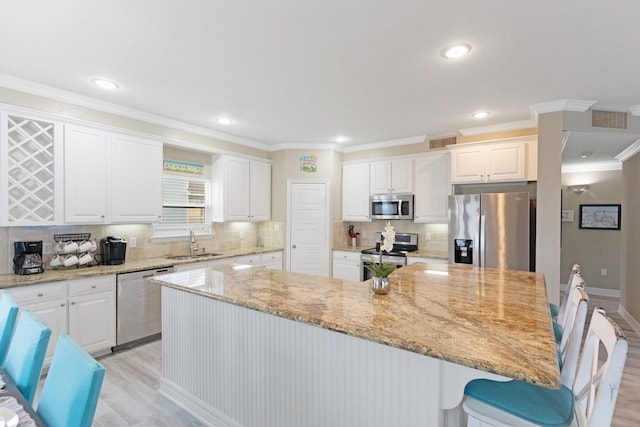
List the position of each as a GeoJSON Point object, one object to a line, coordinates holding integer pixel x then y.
{"type": "Point", "coordinates": [185, 206]}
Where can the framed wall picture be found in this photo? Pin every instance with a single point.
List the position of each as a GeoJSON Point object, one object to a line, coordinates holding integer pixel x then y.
{"type": "Point", "coordinates": [600, 217]}
{"type": "Point", "coordinates": [567, 215]}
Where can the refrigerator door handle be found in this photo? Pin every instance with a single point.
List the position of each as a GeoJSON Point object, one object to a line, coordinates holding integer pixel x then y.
{"type": "Point", "coordinates": [483, 242]}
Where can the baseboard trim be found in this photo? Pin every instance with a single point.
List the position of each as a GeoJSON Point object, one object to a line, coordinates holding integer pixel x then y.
{"type": "Point", "coordinates": [635, 325]}
{"type": "Point", "coordinates": [602, 292]}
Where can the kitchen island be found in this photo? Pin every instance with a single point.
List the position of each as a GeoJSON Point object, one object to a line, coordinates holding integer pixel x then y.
{"type": "Point", "coordinates": [251, 346]}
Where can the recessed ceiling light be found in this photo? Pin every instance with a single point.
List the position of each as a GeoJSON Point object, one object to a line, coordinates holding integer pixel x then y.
{"type": "Point", "coordinates": [341, 138]}
{"type": "Point", "coordinates": [224, 120]}
{"type": "Point", "coordinates": [586, 154]}
{"type": "Point", "coordinates": [456, 51]}
{"type": "Point", "coordinates": [105, 84]}
{"type": "Point", "coordinates": [480, 114]}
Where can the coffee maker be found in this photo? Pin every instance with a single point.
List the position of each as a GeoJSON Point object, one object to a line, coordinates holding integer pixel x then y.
{"type": "Point", "coordinates": [113, 249]}
{"type": "Point", "coordinates": [28, 257]}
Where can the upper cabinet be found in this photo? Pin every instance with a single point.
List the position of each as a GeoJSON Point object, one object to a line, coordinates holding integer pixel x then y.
{"type": "Point", "coordinates": [241, 189]}
{"type": "Point", "coordinates": [355, 192]}
{"type": "Point", "coordinates": [391, 176]}
{"type": "Point", "coordinates": [493, 162]}
{"type": "Point", "coordinates": [431, 177]}
{"type": "Point", "coordinates": [99, 192]}
{"type": "Point", "coordinates": [136, 179]}
{"type": "Point", "coordinates": [86, 170]}
{"type": "Point", "coordinates": [31, 176]}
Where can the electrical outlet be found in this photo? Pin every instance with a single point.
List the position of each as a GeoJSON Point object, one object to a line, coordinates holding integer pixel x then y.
{"type": "Point", "coordinates": [603, 271]}
{"type": "Point", "coordinates": [276, 227]}
{"type": "Point", "coordinates": [47, 248]}
{"type": "Point", "coordinates": [133, 242]}
{"type": "Point", "coordinates": [427, 236]}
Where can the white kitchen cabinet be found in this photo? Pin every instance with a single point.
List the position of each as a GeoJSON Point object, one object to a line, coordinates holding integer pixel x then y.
{"type": "Point", "coordinates": [241, 189]}
{"type": "Point", "coordinates": [355, 192]}
{"type": "Point", "coordinates": [92, 312]}
{"type": "Point", "coordinates": [136, 181]}
{"type": "Point", "coordinates": [488, 162]}
{"type": "Point", "coordinates": [391, 176]}
{"type": "Point", "coordinates": [272, 260]}
{"type": "Point", "coordinates": [254, 260]}
{"type": "Point", "coordinates": [31, 175]}
{"type": "Point", "coordinates": [411, 260]}
{"type": "Point", "coordinates": [83, 308]}
{"type": "Point", "coordinates": [432, 188]}
{"type": "Point", "coordinates": [86, 175]}
{"type": "Point", "coordinates": [347, 265]}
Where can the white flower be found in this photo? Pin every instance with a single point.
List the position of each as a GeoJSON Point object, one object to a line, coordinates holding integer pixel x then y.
{"type": "Point", "coordinates": [389, 235]}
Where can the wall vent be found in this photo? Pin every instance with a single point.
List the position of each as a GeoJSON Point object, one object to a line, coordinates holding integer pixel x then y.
{"type": "Point", "coordinates": [434, 144]}
{"type": "Point", "coordinates": [608, 119]}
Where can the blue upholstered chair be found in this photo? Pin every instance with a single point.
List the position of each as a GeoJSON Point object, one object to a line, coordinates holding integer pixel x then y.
{"type": "Point", "coordinates": [26, 353]}
{"type": "Point", "coordinates": [71, 390]}
{"type": "Point", "coordinates": [8, 316]}
{"type": "Point", "coordinates": [590, 401]}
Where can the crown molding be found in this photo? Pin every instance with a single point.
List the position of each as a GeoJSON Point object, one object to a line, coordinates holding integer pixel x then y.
{"type": "Point", "coordinates": [500, 127]}
{"type": "Point", "coordinates": [629, 152]}
{"type": "Point", "coordinates": [386, 144]}
{"type": "Point", "coordinates": [593, 167]}
{"type": "Point", "coordinates": [15, 83]}
{"type": "Point", "coordinates": [635, 109]}
{"type": "Point", "coordinates": [580, 105]}
{"type": "Point", "coordinates": [307, 147]}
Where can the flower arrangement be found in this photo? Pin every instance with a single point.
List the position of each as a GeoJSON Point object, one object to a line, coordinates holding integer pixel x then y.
{"type": "Point", "coordinates": [383, 269]}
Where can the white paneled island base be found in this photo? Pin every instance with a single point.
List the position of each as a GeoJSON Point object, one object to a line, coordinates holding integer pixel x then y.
{"type": "Point", "coordinates": [233, 366]}
{"type": "Point", "coordinates": [247, 346]}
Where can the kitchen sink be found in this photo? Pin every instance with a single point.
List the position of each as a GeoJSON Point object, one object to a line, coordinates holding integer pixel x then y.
{"type": "Point", "coordinates": [194, 256]}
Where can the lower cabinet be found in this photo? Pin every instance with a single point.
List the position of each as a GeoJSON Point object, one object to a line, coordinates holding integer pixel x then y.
{"type": "Point", "coordinates": [83, 308]}
{"type": "Point", "coordinates": [272, 260]}
{"type": "Point", "coordinates": [411, 260]}
{"type": "Point", "coordinates": [347, 265]}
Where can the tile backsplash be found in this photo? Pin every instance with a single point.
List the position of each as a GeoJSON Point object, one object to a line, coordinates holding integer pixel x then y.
{"type": "Point", "coordinates": [438, 234]}
{"type": "Point", "coordinates": [224, 236]}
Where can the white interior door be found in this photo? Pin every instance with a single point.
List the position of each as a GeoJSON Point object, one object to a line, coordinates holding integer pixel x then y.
{"type": "Point", "coordinates": [308, 236]}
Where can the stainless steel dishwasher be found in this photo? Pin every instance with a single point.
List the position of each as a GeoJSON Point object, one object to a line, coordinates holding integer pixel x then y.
{"type": "Point", "coordinates": [138, 306]}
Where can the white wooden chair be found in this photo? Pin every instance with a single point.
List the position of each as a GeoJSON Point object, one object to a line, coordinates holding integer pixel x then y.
{"type": "Point", "coordinates": [590, 402]}
{"type": "Point", "coordinates": [557, 309]}
{"type": "Point", "coordinates": [564, 319]}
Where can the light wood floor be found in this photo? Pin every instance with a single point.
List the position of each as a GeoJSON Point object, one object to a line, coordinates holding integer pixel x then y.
{"type": "Point", "coordinates": [130, 392]}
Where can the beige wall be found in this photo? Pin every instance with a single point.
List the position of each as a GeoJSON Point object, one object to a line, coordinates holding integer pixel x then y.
{"type": "Point", "coordinates": [592, 249]}
{"type": "Point", "coordinates": [630, 295]}
{"type": "Point", "coordinates": [549, 207]}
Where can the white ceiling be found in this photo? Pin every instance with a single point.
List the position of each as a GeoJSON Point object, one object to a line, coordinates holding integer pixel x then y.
{"type": "Point", "coordinates": [302, 72]}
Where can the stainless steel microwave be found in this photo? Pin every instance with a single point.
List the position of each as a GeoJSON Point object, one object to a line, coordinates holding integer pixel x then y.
{"type": "Point", "coordinates": [391, 206]}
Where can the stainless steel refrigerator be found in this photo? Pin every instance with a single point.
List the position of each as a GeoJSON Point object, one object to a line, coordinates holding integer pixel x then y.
{"type": "Point", "coordinates": [490, 230]}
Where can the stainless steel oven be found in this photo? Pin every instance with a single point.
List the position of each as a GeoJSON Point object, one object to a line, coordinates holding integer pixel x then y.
{"type": "Point", "coordinates": [405, 243]}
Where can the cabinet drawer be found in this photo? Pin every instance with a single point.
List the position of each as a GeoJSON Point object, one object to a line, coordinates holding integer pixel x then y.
{"type": "Point", "coordinates": [34, 294]}
{"type": "Point", "coordinates": [247, 259]}
{"type": "Point", "coordinates": [91, 285]}
{"type": "Point", "coordinates": [270, 258]}
{"type": "Point", "coordinates": [346, 256]}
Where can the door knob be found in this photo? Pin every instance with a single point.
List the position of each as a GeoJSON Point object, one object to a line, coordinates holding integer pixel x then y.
{"type": "Point", "coordinates": [294, 246]}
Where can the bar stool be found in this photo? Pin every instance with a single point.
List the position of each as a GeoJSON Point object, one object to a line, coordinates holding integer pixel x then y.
{"type": "Point", "coordinates": [8, 316]}
{"type": "Point", "coordinates": [560, 324]}
{"type": "Point", "coordinates": [589, 402]}
{"type": "Point", "coordinates": [557, 309]}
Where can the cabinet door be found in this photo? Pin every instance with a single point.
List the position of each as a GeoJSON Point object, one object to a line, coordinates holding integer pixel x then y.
{"type": "Point", "coordinates": [380, 177]}
{"type": "Point", "coordinates": [402, 176]}
{"type": "Point", "coordinates": [237, 199]}
{"type": "Point", "coordinates": [136, 181]}
{"type": "Point", "coordinates": [432, 188]}
{"type": "Point", "coordinates": [260, 191]}
{"type": "Point", "coordinates": [31, 171]}
{"type": "Point", "coordinates": [355, 192]}
{"type": "Point", "coordinates": [86, 175]}
{"type": "Point", "coordinates": [347, 265]}
{"type": "Point", "coordinates": [467, 164]}
{"type": "Point", "coordinates": [54, 314]}
{"type": "Point", "coordinates": [92, 322]}
{"type": "Point", "coordinates": [272, 260]}
{"type": "Point", "coordinates": [505, 162]}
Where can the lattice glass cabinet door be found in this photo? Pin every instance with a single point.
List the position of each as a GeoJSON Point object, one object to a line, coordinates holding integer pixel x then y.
{"type": "Point", "coordinates": [31, 170]}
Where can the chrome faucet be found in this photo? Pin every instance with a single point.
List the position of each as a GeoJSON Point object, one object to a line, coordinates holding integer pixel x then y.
{"type": "Point", "coordinates": [193, 247]}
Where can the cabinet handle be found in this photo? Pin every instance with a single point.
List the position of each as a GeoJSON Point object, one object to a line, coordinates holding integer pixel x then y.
{"type": "Point", "coordinates": [40, 295]}
{"type": "Point", "coordinates": [73, 303]}
{"type": "Point", "coordinates": [93, 286]}
{"type": "Point", "coordinates": [62, 305]}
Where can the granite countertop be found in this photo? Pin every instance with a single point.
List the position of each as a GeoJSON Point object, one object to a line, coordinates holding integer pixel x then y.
{"type": "Point", "coordinates": [420, 253]}
{"type": "Point", "coordinates": [493, 320]}
{"type": "Point", "coordinates": [71, 273]}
